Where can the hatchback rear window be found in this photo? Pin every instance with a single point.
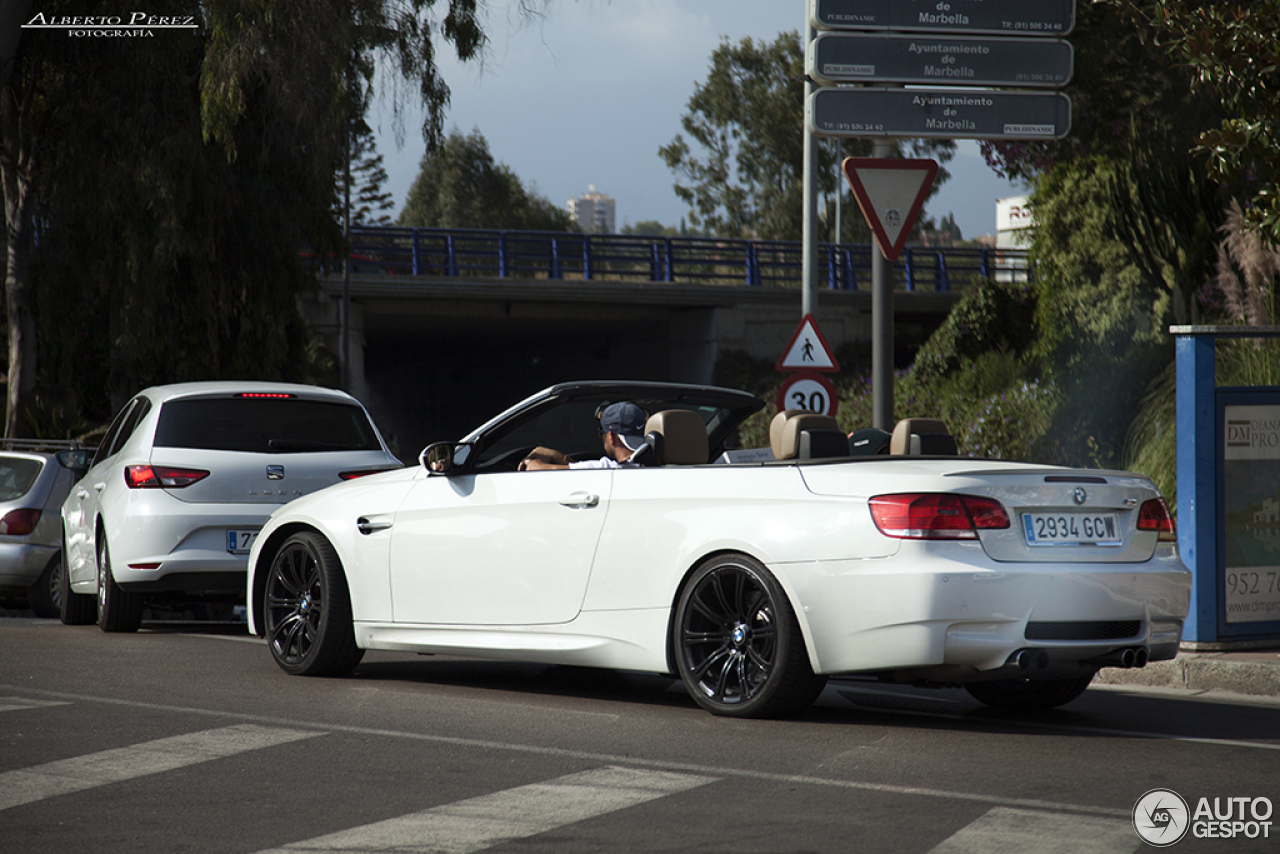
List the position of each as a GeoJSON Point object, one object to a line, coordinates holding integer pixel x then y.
{"type": "Point", "coordinates": [17, 474]}
{"type": "Point", "coordinates": [256, 425]}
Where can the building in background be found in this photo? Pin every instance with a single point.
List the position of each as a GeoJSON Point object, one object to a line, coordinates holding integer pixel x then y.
{"type": "Point", "coordinates": [1013, 231]}
{"type": "Point", "coordinates": [593, 212]}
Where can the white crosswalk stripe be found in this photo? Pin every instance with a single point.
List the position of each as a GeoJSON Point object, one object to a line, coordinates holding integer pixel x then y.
{"type": "Point", "coordinates": [28, 785]}
{"type": "Point", "coordinates": [1010, 831]}
{"type": "Point", "coordinates": [14, 704]}
{"type": "Point", "coordinates": [482, 822]}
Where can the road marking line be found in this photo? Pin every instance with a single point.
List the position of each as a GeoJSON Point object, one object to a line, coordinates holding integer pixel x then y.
{"type": "Point", "coordinates": [482, 822]}
{"type": "Point", "coordinates": [14, 704]}
{"type": "Point", "coordinates": [27, 785]}
{"type": "Point", "coordinates": [695, 768]}
{"type": "Point", "coordinates": [1028, 832]}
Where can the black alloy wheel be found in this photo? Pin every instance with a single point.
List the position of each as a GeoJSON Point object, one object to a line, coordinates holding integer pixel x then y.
{"type": "Point", "coordinates": [739, 648]}
{"type": "Point", "coordinates": [308, 609]}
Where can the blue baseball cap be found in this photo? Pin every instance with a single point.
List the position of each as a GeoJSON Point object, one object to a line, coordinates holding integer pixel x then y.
{"type": "Point", "coordinates": [626, 420]}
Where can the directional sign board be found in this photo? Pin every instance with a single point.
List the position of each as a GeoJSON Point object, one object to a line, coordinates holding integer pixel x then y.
{"type": "Point", "coordinates": [1053, 18]}
{"type": "Point", "coordinates": [890, 193]}
{"type": "Point", "coordinates": [913, 59]}
{"type": "Point", "coordinates": [938, 113]}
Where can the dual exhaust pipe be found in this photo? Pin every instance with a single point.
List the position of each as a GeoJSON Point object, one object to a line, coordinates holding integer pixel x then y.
{"type": "Point", "coordinates": [1038, 659]}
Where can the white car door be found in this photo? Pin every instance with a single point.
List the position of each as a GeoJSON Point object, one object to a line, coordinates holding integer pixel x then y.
{"type": "Point", "coordinates": [511, 548]}
{"type": "Point", "coordinates": [80, 510]}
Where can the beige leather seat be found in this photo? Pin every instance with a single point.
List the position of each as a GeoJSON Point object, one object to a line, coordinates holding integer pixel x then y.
{"type": "Point", "coordinates": [798, 434]}
{"type": "Point", "coordinates": [681, 437]}
{"type": "Point", "coordinates": [922, 437]}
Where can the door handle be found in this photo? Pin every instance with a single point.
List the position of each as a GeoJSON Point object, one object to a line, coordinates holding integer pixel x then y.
{"type": "Point", "coordinates": [581, 499]}
{"type": "Point", "coordinates": [82, 494]}
{"type": "Point", "coordinates": [100, 486]}
{"type": "Point", "coordinates": [364, 526]}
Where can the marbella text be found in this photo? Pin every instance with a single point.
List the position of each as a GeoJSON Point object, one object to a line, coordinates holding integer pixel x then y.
{"type": "Point", "coordinates": [1230, 818]}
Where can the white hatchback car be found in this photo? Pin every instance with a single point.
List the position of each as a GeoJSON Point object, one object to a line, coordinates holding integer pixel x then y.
{"type": "Point", "coordinates": [184, 479]}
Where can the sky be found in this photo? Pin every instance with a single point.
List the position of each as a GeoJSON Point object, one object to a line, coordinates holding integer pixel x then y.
{"type": "Point", "coordinates": [586, 94]}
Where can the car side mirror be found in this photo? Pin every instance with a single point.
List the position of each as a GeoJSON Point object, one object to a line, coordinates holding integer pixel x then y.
{"type": "Point", "coordinates": [77, 461]}
{"type": "Point", "coordinates": [444, 457]}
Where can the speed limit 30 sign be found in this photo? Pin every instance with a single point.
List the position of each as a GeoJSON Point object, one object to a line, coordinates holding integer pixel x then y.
{"type": "Point", "coordinates": [808, 390]}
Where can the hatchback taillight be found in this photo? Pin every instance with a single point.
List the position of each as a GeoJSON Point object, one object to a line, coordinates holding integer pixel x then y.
{"type": "Point", "coordinates": [161, 477]}
{"type": "Point", "coordinates": [352, 475]}
{"type": "Point", "coordinates": [936, 516]}
{"type": "Point", "coordinates": [19, 523]}
{"type": "Point", "coordinates": [1154, 516]}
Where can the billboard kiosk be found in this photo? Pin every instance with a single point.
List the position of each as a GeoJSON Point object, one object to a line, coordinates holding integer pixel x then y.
{"type": "Point", "coordinates": [1228, 495]}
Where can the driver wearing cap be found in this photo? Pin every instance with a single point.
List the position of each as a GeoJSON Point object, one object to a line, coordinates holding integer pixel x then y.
{"type": "Point", "coordinates": [622, 429]}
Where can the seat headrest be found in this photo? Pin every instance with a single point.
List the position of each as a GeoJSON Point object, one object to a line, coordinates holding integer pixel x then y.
{"type": "Point", "coordinates": [922, 436]}
{"type": "Point", "coordinates": [684, 437]}
{"type": "Point", "coordinates": [786, 427]}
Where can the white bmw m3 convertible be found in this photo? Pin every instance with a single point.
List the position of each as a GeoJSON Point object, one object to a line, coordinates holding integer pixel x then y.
{"type": "Point", "coordinates": [753, 575]}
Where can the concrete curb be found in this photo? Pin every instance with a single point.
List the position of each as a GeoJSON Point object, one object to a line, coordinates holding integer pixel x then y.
{"type": "Point", "coordinates": [1250, 673]}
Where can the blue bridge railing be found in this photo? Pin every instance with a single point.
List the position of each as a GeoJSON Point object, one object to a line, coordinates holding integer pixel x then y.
{"type": "Point", "coordinates": [689, 260]}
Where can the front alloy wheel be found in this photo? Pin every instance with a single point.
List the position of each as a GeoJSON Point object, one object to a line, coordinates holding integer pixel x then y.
{"type": "Point", "coordinates": [738, 645]}
{"type": "Point", "coordinates": [308, 609]}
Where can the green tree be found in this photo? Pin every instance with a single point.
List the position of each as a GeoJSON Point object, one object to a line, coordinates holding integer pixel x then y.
{"type": "Point", "coordinates": [370, 203]}
{"type": "Point", "coordinates": [1232, 51]}
{"type": "Point", "coordinates": [172, 252]}
{"type": "Point", "coordinates": [461, 185]}
{"type": "Point", "coordinates": [741, 169]}
{"type": "Point", "coordinates": [1125, 233]}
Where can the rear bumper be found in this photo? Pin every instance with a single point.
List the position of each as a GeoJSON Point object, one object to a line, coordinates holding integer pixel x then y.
{"type": "Point", "coordinates": [968, 619]}
{"type": "Point", "coordinates": [22, 563]}
{"type": "Point", "coordinates": [158, 543]}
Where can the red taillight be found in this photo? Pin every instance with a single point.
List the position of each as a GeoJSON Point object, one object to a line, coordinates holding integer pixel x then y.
{"type": "Point", "coordinates": [265, 395]}
{"type": "Point", "coordinates": [161, 477]}
{"type": "Point", "coordinates": [936, 516]}
{"type": "Point", "coordinates": [19, 523]}
{"type": "Point", "coordinates": [1154, 516]}
{"type": "Point", "coordinates": [352, 475]}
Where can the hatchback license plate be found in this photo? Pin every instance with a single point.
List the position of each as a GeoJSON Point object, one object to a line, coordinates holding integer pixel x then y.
{"type": "Point", "coordinates": [1059, 529]}
{"type": "Point", "coordinates": [239, 542]}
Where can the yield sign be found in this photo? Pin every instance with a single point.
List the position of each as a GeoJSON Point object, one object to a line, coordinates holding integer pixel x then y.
{"type": "Point", "coordinates": [808, 350]}
{"type": "Point", "coordinates": [891, 193]}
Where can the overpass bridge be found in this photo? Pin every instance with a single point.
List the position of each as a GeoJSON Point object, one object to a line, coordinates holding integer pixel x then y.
{"type": "Point", "coordinates": [448, 326]}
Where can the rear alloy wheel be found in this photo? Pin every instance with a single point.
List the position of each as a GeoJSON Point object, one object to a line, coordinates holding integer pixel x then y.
{"type": "Point", "coordinates": [308, 609]}
{"type": "Point", "coordinates": [738, 644]}
{"type": "Point", "coordinates": [45, 596]}
{"type": "Point", "coordinates": [118, 611]}
{"type": "Point", "coordinates": [1027, 694]}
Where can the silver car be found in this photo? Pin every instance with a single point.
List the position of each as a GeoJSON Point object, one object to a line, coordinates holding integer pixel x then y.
{"type": "Point", "coordinates": [183, 481]}
{"type": "Point", "coordinates": [35, 478]}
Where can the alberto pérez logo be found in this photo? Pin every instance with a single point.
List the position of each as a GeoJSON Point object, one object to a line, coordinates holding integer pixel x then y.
{"type": "Point", "coordinates": [132, 25]}
{"type": "Point", "coordinates": [1161, 817]}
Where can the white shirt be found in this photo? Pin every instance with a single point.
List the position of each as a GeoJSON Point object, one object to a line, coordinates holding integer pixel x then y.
{"type": "Point", "coordinates": [603, 463]}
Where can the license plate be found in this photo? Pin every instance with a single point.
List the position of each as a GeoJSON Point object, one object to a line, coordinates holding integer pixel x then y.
{"type": "Point", "coordinates": [1059, 529]}
{"type": "Point", "coordinates": [239, 542]}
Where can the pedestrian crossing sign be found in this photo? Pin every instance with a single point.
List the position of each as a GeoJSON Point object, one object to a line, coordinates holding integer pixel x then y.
{"type": "Point", "coordinates": [808, 350]}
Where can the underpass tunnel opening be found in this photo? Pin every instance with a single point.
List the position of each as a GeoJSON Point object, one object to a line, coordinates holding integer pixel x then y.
{"type": "Point", "coordinates": [437, 378]}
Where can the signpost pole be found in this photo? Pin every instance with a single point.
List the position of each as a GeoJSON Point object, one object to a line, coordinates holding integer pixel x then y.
{"type": "Point", "coordinates": [881, 328]}
{"type": "Point", "coordinates": [809, 245]}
